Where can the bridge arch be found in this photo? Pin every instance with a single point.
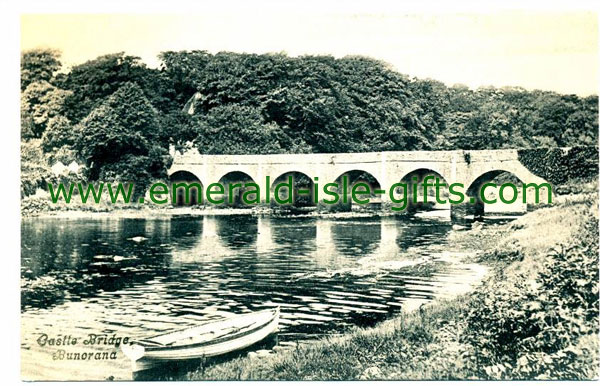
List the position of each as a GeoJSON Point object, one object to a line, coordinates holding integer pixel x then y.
{"type": "Point", "coordinates": [425, 200]}
{"type": "Point", "coordinates": [500, 176]}
{"type": "Point", "coordinates": [520, 172]}
{"type": "Point", "coordinates": [194, 194]}
{"type": "Point", "coordinates": [183, 175]}
{"type": "Point", "coordinates": [353, 177]}
{"type": "Point", "coordinates": [302, 183]}
{"type": "Point", "coordinates": [489, 176]}
{"type": "Point", "coordinates": [424, 171]}
{"type": "Point", "coordinates": [234, 183]}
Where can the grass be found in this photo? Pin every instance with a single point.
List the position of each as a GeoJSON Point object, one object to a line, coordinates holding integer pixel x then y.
{"type": "Point", "coordinates": [406, 347]}
{"type": "Point", "coordinates": [434, 342]}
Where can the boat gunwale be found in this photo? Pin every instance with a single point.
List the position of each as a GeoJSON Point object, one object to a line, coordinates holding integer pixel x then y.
{"type": "Point", "coordinates": [162, 347]}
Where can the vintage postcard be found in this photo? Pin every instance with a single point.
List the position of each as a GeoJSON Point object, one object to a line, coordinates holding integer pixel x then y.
{"type": "Point", "coordinates": [294, 193]}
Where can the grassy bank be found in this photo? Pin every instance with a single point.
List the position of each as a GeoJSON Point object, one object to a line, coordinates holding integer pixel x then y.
{"type": "Point", "coordinates": [535, 317]}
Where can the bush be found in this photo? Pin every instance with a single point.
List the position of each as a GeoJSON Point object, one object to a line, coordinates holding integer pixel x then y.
{"type": "Point", "coordinates": [35, 171]}
{"type": "Point", "coordinates": [534, 328]}
{"type": "Point", "coordinates": [558, 166]}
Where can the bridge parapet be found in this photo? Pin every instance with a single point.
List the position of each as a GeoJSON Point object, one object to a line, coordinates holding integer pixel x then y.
{"type": "Point", "coordinates": [466, 156]}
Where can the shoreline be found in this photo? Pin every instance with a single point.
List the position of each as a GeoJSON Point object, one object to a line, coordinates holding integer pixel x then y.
{"type": "Point", "coordinates": [157, 213]}
{"type": "Point", "coordinates": [260, 211]}
{"type": "Point", "coordinates": [134, 211]}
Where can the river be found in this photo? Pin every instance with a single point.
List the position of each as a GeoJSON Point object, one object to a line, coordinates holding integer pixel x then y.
{"type": "Point", "coordinates": [135, 277]}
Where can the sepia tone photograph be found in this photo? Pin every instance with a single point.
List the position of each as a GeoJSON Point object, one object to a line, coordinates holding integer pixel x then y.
{"type": "Point", "coordinates": [287, 193]}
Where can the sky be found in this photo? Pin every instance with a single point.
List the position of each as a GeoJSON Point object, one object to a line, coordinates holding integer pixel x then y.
{"type": "Point", "coordinates": [548, 50]}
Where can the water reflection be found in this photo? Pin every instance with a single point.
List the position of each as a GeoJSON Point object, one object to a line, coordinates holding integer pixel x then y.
{"type": "Point", "coordinates": [136, 277]}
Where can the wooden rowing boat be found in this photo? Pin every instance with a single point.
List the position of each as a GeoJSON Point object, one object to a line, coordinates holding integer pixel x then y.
{"type": "Point", "coordinates": [212, 338]}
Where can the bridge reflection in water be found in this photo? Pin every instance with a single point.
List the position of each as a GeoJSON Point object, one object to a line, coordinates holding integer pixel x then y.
{"type": "Point", "coordinates": [323, 240]}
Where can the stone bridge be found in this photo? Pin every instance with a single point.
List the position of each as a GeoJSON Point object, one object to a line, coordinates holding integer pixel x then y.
{"type": "Point", "coordinates": [471, 168]}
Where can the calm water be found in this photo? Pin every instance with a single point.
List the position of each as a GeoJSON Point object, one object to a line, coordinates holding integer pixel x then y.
{"type": "Point", "coordinates": [138, 277]}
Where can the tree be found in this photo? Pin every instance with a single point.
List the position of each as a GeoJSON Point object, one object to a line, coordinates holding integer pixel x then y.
{"type": "Point", "coordinates": [40, 102]}
{"type": "Point", "coordinates": [119, 140]}
{"type": "Point", "coordinates": [581, 127]}
{"type": "Point", "coordinates": [59, 133]}
{"type": "Point", "coordinates": [182, 70]}
{"type": "Point", "coordinates": [94, 80]}
{"type": "Point", "coordinates": [237, 129]}
{"type": "Point", "coordinates": [39, 65]}
{"type": "Point", "coordinates": [431, 99]}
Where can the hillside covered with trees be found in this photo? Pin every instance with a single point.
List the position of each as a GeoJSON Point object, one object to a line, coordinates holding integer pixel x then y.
{"type": "Point", "coordinates": [118, 117]}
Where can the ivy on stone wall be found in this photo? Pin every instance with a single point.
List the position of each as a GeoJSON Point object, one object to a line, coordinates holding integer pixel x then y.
{"type": "Point", "coordinates": [557, 166]}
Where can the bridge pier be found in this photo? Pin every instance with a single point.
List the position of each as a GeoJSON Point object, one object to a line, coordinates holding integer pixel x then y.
{"type": "Point", "coordinates": [460, 212]}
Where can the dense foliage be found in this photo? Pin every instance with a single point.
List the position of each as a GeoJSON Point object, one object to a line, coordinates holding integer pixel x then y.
{"type": "Point", "coordinates": [560, 165]}
{"type": "Point", "coordinates": [247, 104]}
{"type": "Point", "coordinates": [93, 81]}
{"type": "Point", "coordinates": [119, 140]}
{"type": "Point", "coordinates": [35, 173]}
{"type": "Point", "coordinates": [356, 104]}
{"type": "Point", "coordinates": [536, 327]}
{"type": "Point", "coordinates": [39, 66]}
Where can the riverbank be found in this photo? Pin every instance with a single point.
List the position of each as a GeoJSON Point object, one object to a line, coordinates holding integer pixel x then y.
{"type": "Point", "coordinates": [40, 206]}
{"type": "Point", "coordinates": [146, 212]}
{"type": "Point", "coordinates": [534, 317]}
